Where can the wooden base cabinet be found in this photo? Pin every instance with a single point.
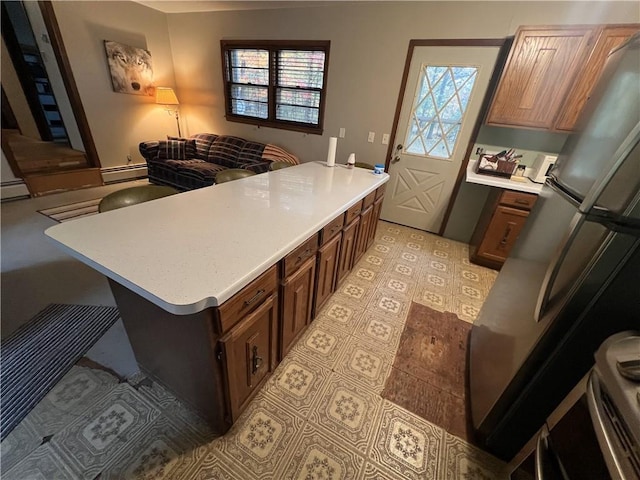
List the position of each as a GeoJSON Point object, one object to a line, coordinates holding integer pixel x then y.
{"type": "Point", "coordinates": [345, 261]}
{"type": "Point", "coordinates": [296, 303]}
{"type": "Point", "coordinates": [327, 267]}
{"type": "Point", "coordinates": [503, 218]}
{"type": "Point", "coordinates": [215, 360]}
{"type": "Point", "coordinates": [248, 354]}
{"type": "Point", "coordinates": [377, 208]}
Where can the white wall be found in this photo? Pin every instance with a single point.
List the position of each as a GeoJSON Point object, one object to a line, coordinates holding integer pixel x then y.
{"type": "Point", "coordinates": [118, 122]}
{"type": "Point", "coordinates": [369, 43]}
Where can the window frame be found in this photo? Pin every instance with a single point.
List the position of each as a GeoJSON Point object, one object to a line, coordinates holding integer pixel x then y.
{"type": "Point", "coordinates": [273, 46]}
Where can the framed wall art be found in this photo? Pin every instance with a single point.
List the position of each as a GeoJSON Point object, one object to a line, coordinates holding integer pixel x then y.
{"type": "Point", "coordinates": [130, 67]}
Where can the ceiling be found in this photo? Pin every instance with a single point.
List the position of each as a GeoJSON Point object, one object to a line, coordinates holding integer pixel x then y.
{"type": "Point", "coordinates": [170, 6]}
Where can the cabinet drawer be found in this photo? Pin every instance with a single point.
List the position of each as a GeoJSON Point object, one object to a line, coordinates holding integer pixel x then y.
{"type": "Point", "coordinates": [331, 229]}
{"type": "Point", "coordinates": [247, 299]}
{"type": "Point", "coordinates": [380, 191]}
{"type": "Point", "coordinates": [353, 213]}
{"type": "Point", "coordinates": [296, 258]}
{"type": "Point", "coordinates": [368, 200]}
{"type": "Point", "coordinates": [521, 200]}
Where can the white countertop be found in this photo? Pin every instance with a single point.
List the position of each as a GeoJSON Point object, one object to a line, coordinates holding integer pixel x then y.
{"type": "Point", "coordinates": [196, 249]}
{"type": "Point", "coordinates": [501, 182]}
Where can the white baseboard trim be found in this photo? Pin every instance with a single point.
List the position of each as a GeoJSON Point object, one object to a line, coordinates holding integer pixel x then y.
{"type": "Point", "coordinates": [13, 189]}
{"type": "Point", "coordinates": [123, 173]}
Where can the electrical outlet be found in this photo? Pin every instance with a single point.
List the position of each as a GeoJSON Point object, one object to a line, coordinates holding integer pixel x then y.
{"type": "Point", "coordinates": [371, 138]}
{"type": "Point", "coordinates": [385, 139]}
{"type": "Point", "coordinates": [342, 132]}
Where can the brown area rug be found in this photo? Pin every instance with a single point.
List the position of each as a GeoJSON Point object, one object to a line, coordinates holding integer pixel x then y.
{"type": "Point", "coordinates": [428, 376]}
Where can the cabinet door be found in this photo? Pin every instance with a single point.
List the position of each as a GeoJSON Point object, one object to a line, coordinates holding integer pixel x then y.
{"type": "Point", "coordinates": [297, 301]}
{"type": "Point", "coordinates": [541, 67]}
{"type": "Point", "coordinates": [609, 37]}
{"type": "Point", "coordinates": [502, 233]}
{"type": "Point", "coordinates": [327, 268]}
{"type": "Point", "coordinates": [363, 233]}
{"type": "Point", "coordinates": [249, 355]}
{"type": "Point", "coordinates": [377, 207]}
{"type": "Point", "coordinates": [345, 262]}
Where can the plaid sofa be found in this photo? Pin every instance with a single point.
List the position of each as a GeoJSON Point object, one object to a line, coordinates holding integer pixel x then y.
{"type": "Point", "coordinates": [189, 163]}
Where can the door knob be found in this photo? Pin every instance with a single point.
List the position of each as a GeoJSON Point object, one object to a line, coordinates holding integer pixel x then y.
{"type": "Point", "coordinates": [396, 159]}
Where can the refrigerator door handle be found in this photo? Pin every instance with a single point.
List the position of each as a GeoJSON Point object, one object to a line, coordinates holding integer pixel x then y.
{"type": "Point", "coordinates": [619, 157]}
{"type": "Point", "coordinates": [554, 267]}
{"type": "Point", "coordinates": [557, 187]}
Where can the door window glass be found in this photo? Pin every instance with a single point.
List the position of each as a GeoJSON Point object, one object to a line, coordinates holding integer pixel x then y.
{"type": "Point", "coordinates": [440, 101]}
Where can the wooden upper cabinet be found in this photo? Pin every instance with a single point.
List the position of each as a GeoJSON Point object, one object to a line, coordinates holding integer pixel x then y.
{"type": "Point", "coordinates": [540, 69]}
{"type": "Point", "coordinates": [608, 38]}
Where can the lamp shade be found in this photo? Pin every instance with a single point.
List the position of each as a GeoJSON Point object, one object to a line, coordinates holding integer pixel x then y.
{"type": "Point", "coordinates": [166, 96]}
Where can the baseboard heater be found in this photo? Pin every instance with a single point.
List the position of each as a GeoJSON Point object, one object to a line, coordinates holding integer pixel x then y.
{"type": "Point", "coordinates": [13, 190]}
{"type": "Point", "coordinates": [123, 173]}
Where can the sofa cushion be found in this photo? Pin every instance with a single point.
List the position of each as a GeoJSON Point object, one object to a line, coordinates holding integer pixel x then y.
{"type": "Point", "coordinates": [175, 149]}
{"type": "Point", "coordinates": [189, 146]}
{"type": "Point", "coordinates": [203, 144]}
{"type": "Point", "coordinates": [225, 150]}
{"type": "Point", "coordinates": [201, 170]}
{"type": "Point", "coordinates": [177, 164]}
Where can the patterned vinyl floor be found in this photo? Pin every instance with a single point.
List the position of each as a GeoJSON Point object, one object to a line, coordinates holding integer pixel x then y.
{"type": "Point", "coordinates": [320, 416]}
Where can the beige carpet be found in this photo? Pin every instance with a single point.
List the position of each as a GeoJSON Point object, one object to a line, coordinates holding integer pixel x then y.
{"type": "Point", "coordinates": [429, 370]}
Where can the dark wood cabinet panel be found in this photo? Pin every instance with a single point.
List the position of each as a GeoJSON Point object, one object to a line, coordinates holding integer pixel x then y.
{"type": "Point", "coordinates": [353, 212]}
{"type": "Point", "coordinates": [248, 354]}
{"type": "Point", "coordinates": [504, 215]}
{"type": "Point", "coordinates": [362, 238]}
{"type": "Point", "coordinates": [328, 256]}
{"type": "Point", "coordinates": [538, 74]}
{"type": "Point", "coordinates": [295, 259]}
{"type": "Point", "coordinates": [377, 208]}
{"type": "Point", "coordinates": [345, 261]}
{"type": "Point", "coordinates": [296, 302]}
{"type": "Point", "coordinates": [505, 228]}
{"type": "Point", "coordinates": [331, 229]}
{"type": "Point", "coordinates": [246, 300]}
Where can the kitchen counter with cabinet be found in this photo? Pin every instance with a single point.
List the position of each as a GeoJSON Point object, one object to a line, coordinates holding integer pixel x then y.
{"type": "Point", "coordinates": [503, 216]}
{"type": "Point", "coordinates": [214, 285]}
{"type": "Point", "coordinates": [526, 186]}
{"type": "Point", "coordinates": [195, 250]}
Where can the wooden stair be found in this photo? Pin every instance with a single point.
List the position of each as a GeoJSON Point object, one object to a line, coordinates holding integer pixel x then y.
{"type": "Point", "coordinates": [48, 167]}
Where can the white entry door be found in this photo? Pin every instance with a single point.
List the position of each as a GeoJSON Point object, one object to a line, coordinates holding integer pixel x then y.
{"type": "Point", "coordinates": [442, 100]}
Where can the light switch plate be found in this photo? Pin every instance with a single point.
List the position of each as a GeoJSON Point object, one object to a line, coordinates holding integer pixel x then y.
{"type": "Point", "coordinates": [372, 137]}
{"type": "Point", "coordinates": [342, 132]}
{"type": "Point", "coordinates": [385, 139]}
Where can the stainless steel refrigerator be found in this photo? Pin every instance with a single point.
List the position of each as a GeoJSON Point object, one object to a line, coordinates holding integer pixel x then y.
{"type": "Point", "coordinates": [573, 277]}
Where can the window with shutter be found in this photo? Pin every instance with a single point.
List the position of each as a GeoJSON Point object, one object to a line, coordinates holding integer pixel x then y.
{"type": "Point", "coordinates": [276, 84]}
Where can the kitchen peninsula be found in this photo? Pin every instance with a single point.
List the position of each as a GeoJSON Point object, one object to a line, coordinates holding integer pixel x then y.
{"type": "Point", "coordinates": [210, 282]}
